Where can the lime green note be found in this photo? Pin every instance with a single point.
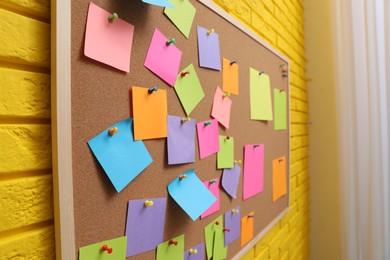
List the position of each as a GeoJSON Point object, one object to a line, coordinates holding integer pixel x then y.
{"type": "Point", "coordinates": [209, 233]}
{"type": "Point", "coordinates": [114, 249]}
{"type": "Point", "coordinates": [280, 109]}
{"type": "Point", "coordinates": [171, 249]}
{"type": "Point", "coordinates": [219, 251]}
{"type": "Point", "coordinates": [225, 156]}
{"type": "Point", "coordinates": [188, 89]}
{"type": "Point", "coordinates": [182, 15]}
{"type": "Point", "coordinates": [260, 95]}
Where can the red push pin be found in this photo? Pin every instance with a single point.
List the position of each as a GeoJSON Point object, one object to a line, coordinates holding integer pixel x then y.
{"type": "Point", "coordinates": [216, 223]}
{"type": "Point", "coordinates": [171, 242]}
{"type": "Point", "coordinates": [227, 137]}
{"type": "Point", "coordinates": [106, 248]}
{"type": "Point", "coordinates": [226, 230]}
{"type": "Point", "coordinates": [184, 73]}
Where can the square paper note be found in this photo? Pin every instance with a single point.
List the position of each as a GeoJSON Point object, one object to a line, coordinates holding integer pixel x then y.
{"type": "Point", "coordinates": [221, 108]}
{"type": "Point", "coordinates": [182, 15]}
{"type": "Point", "coordinates": [109, 43]}
{"type": "Point", "coordinates": [121, 157]}
{"type": "Point", "coordinates": [163, 59]}
{"type": "Point", "coordinates": [113, 249]}
{"type": "Point", "coordinates": [171, 249]}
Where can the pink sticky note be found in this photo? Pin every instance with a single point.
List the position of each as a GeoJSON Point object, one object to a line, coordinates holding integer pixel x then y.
{"type": "Point", "coordinates": [208, 138]}
{"type": "Point", "coordinates": [253, 170]}
{"type": "Point", "coordinates": [162, 59]}
{"type": "Point", "coordinates": [221, 107]}
{"type": "Point", "coordinates": [213, 186]}
{"type": "Point", "coordinates": [109, 43]}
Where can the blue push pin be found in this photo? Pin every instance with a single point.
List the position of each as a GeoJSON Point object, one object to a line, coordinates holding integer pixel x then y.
{"type": "Point", "coordinates": [151, 90]}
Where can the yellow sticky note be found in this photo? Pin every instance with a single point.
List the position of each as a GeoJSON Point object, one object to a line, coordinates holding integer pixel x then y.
{"type": "Point", "coordinates": [260, 95]}
{"type": "Point", "coordinates": [279, 178]}
{"type": "Point", "coordinates": [247, 228]}
{"type": "Point", "coordinates": [150, 113]}
{"type": "Point", "coordinates": [230, 76]}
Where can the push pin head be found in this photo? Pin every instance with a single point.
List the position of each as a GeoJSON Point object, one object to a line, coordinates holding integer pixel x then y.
{"type": "Point", "coordinates": [112, 131]}
{"type": "Point", "coordinates": [184, 176]}
{"type": "Point", "coordinates": [171, 242]}
{"type": "Point", "coordinates": [169, 42]}
{"type": "Point", "coordinates": [184, 73]}
{"type": "Point", "coordinates": [261, 72]}
{"type": "Point", "coordinates": [212, 181]}
{"type": "Point", "coordinates": [207, 123]}
{"type": "Point", "coordinates": [186, 119]}
{"type": "Point", "coordinates": [210, 32]}
{"type": "Point", "coordinates": [193, 251]}
{"type": "Point", "coordinates": [226, 95]}
{"type": "Point", "coordinates": [106, 248]}
{"type": "Point", "coordinates": [112, 17]}
{"type": "Point", "coordinates": [233, 62]}
{"type": "Point", "coordinates": [151, 90]}
{"type": "Point", "coordinates": [217, 223]}
{"type": "Point", "coordinates": [256, 145]}
{"type": "Point", "coordinates": [226, 230]}
{"type": "Point", "coordinates": [237, 161]}
{"type": "Point", "coordinates": [251, 216]}
{"type": "Point", "coordinates": [235, 211]}
{"type": "Point", "coordinates": [227, 137]}
{"type": "Point", "coordinates": [148, 203]}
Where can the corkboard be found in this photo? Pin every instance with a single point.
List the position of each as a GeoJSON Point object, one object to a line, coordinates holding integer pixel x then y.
{"type": "Point", "coordinates": [101, 96]}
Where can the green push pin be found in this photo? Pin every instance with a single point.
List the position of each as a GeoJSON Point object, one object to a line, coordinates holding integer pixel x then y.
{"type": "Point", "coordinates": [170, 41]}
{"type": "Point", "coordinates": [207, 123]}
{"type": "Point", "coordinates": [112, 17]}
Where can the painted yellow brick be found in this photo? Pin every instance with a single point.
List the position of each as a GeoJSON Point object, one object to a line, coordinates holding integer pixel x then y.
{"type": "Point", "coordinates": [25, 201]}
{"type": "Point", "coordinates": [293, 211]}
{"type": "Point", "coordinates": [298, 117]}
{"type": "Point", "coordinates": [298, 93]}
{"type": "Point", "coordinates": [24, 94]}
{"type": "Point", "coordinates": [284, 254]}
{"type": "Point", "coordinates": [299, 154]}
{"type": "Point", "coordinates": [299, 105]}
{"type": "Point", "coordinates": [303, 202]}
{"type": "Point", "coordinates": [301, 190]}
{"type": "Point", "coordinates": [302, 177]}
{"type": "Point", "coordinates": [297, 80]}
{"type": "Point", "coordinates": [275, 244]}
{"type": "Point", "coordinates": [298, 129]}
{"type": "Point", "coordinates": [249, 255]}
{"type": "Point", "coordinates": [270, 19]}
{"type": "Point", "coordinates": [264, 242]}
{"type": "Point", "coordinates": [263, 254]}
{"type": "Point", "coordinates": [225, 4]}
{"type": "Point", "coordinates": [242, 11]}
{"type": "Point", "coordinates": [297, 142]}
{"type": "Point", "coordinates": [40, 8]}
{"type": "Point", "coordinates": [255, 5]}
{"type": "Point", "coordinates": [263, 29]}
{"type": "Point", "coordinates": [24, 40]}
{"type": "Point", "coordinates": [24, 148]}
{"type": "Point", "coordinates": [36, 244]}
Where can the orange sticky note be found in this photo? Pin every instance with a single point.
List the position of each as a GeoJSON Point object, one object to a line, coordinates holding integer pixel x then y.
{"type": "Point", "coordinates": [247, 228]}
{"type": "Point", "coordinates": [230, 76]}
{"type": "Point", "coordinates": [279, 178]}
{"type": "Point", "coordinates": [150, 113]}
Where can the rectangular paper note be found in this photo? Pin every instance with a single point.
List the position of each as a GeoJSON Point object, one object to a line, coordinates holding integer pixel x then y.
{"type": "Point", "coordinates": [150, 113]}
{"type": "Point", "coordinates": [188, 89]}
{"type": "Point", "coordinates": [181, 140]}
{"type": "Point", "coordinates": [279, 178]}
{"type": "Point", "coordinates": [93, 252]}
{"type": "Point", "coordinates": [253, 170]}
{"type": "Point", "coordinates": [230, 76]}
{"type": "Point", "coordinates": [121, 157]}
{"type": "Point", "coordinates": [260, 95]}
{"type": "Point", "coordinates": [208, 47]}
{"type": "Point", "coordinates": [220, 251]}
{"type": "Point", "coordinates": [213, 186]}
{"type": "Point", "coordinates": [225, 156]}
{"type": "Point", "coordinates": [280, 109]}
{"type": "Point", "coordinates": [247, 223]}
{"type": "Point", "coordinates": [163, 59]}
{"type": "Point", "coordinates": [209, 234]}
{"type": "Point", "coordinates": [208, 139]}
{"type": "Point", "coordinates": [109, 43]}
{"type": "Point", "coordinates": [191, 195]}
{"type": "Point", "coordinates": [167, 251]}
{"type": "Point", "coordinates": [230, 179]}
{"type": "Point", "coordinates": [163, 3]}
{"type": "Point", "coordinates": [221, 107]}
{"type": "Point", "coordinates": [232, 222]}
{"type": "Point", "coordinates": [199, 255]}
{"type": "Point", "coordinates": [182, 15]}
{"type": "Point", "coordinates": [145, 225]}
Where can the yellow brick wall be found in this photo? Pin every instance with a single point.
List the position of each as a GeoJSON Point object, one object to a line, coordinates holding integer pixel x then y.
{"type": "Point", "coordinates": [280, 23]}
{"type": "Point", "coordinates": [26, 199]}
{"type": "Point", "coordinates": [26, 215]}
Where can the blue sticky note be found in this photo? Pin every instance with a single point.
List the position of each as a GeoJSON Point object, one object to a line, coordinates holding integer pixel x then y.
{"type": "Point", "coordinates": [121, 157]}
{"type": "Point", "coordinates": [208, 48]}
{"type": "Point", "coordinates": [163, 3]}
{"type": "Point", "coordinates": [191, 194]}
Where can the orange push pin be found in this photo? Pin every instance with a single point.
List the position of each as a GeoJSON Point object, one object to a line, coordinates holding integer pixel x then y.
{"type": "Point", "coordinates": [112, 131]}
{"type": "Point", "coordinates": [184, 176]}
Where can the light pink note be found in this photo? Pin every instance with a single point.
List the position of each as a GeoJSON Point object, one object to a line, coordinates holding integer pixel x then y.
{"type": "Point", "coordinates": [208, 138]}
{"type": "Point", "coordinates": [221, 107]}
{"type": "Point", "coordinates": [109, 43]}
{"type": "Point", "coordinates": [253, 170]}
{"type": "Point", "coordinates": [213, 186]}
{"type": "Point", "coordinates": [162, 59]}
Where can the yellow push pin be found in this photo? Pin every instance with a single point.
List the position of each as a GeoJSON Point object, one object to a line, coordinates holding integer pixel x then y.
{"type": "Point", "coordinates": [193, 251]}
{"type": "Point", "coordinates": [226, 95]}
{"type": "Point", "coordinates": [237, 161]}
{"type": "Point", "coordinates": [235, 211]}
{"type": "Point", "coordinates": [112, 131]}
{"type": "Point", "coordinates": [148, 203]}
{"type": "Point", "coordinates": [210, 32]}
{"type": "Point", "coordinates": [186, 119]}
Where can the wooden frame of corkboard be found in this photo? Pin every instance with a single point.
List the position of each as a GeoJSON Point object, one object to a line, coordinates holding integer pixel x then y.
{"type": "Point", "coordinates": [88, 96]}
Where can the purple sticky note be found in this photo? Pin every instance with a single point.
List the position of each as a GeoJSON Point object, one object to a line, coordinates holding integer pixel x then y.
{"type": "Point", "coordinates": [208, 139]}
{"type": "Point", "coordinates": [197, 252]}
{"type": "Point", "coordinates": [208, 47]}
{"type": "Point", "coordinates": [253, 170]}
{"type": "Point", "coordinates": [213, 186]}
{"type": "Point", "coordinates": [163, 59]}
{"type": "Point", "coordinates": [181, 140]}
{"type": "Point", "coordinates": [232, 223]}
{"type": "Point", "coordinates": [230, 179]}
{"type": "Point", "coordinates": [145, 225]}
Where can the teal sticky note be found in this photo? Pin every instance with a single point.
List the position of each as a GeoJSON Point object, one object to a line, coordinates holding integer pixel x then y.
{"type": "Point", "coordinates": [190, 193]}
{"type": "Point", "coordinates": [215, 226]}
{"type": "Point", "coordinates": [171, 249]}
{"type": "Point", "coordinates": [260, 95]}
{"type": "Point", "coordinates": [113, 249]}
{"type": "Point", "coordinates": [225, 156]}
{"type": "Point", "coordinates": [280, 109]}
{"type": "Point", "coordinates": [182, 15]}
{"type": "Point", "coordinates": [121, 157]}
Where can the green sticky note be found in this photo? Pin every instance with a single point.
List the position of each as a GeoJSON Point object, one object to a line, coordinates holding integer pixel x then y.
{"type": "Point", "coordinates": [225, 156]}
{"type": "Point", "coordinates": [188, 89]}
{"type": "Point", "coordinates": [182, 15]}
{"type": "Point", "coordinates": [219, 251]}
{"type": "Point", "coordinates": [114, 249]}
{"type": "Point", "coordinates": [260, 95]}
{"type": "Point", "coordinates": [209, 233]}
{"type": "Point", "coordinates": [280, 109]}
{"type": "Point", "coordinates": [171, 249]}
